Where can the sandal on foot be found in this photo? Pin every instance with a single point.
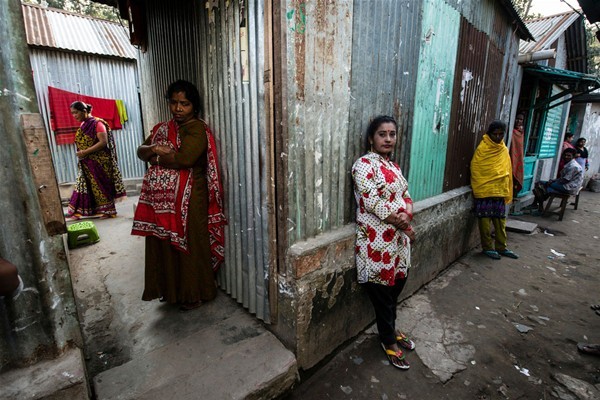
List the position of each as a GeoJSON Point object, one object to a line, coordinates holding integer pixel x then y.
{"type": "Point", "coordinates": [72, 217]}
{"type": "Point", "coordinates": [396, 358]}
{"type": "Point", "coordinates": [595, 307]}
{"type": "Point", "coordinates": [404, 341]}
{"type": "Point", "coordinates": [189, 306]}
{"type": "Point", "coordinates": [586, 348]}
{"type": "Point", "coordinates": [508, 253]}
{"type": "Point", "coordinates": [493, 254]}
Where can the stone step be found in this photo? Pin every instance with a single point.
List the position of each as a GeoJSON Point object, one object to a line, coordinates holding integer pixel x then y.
{"type": "Point", "coordinates": [62, 378]}
{"type": "Point", "coordinates": [234, 359]}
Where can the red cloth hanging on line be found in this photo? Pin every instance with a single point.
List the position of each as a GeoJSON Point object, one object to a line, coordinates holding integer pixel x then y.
{"type": "Point", "coordinates": [62, 122]}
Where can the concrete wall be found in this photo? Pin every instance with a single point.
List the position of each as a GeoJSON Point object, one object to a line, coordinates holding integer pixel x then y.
{"type": "Point", "coordinates": [590, 130]}
{"type": "Point", "coordinates": [41, 323]}
{"type": "Point", "coordinates": [321, 305]}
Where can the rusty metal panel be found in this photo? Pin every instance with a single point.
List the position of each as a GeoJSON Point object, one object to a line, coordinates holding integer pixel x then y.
{"type": "Point", "coordinates": [385, 56]}
{"type": "Point", "coordinates": [433, 99]}
{"type": "Point", "coordinates": [87, 74]}
{"type": "Point", "coordinates": [206, 46]}
{"type": "Point", "coordinates": [318, 51]}
{"type": "Point", "coordinates": [58, 29]}
{"type": "Point", "coordinates": [488, 16]}
{"type": "Point", "coordinates": [477, 84]}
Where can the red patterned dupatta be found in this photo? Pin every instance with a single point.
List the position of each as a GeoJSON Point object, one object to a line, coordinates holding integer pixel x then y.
{"type": "Point", "coordinates": [163, 206]}
{"type": "Point", "coordinates": [216, 218]}
{"type": "Point", "coordinates": [164, 201]}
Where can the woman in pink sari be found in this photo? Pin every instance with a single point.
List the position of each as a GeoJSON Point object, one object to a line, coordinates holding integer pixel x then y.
{"type": "Point", "coordinates": [99, 181]}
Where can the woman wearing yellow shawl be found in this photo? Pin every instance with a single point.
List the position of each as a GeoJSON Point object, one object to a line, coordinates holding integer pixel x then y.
{"type": "Point", "coordinates": [491, 180]}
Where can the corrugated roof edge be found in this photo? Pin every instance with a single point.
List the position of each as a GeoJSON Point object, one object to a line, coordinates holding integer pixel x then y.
{"type": "Point", "coordinates": [522, 30]}
{"type": "Point", "coordinates": [112, 37]}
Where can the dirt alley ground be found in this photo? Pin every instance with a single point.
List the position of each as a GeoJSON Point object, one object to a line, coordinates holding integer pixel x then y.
{"type": "Point", "coordinates": [465, 324]}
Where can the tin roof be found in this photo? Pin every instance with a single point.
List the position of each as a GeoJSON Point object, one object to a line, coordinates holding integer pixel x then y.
{"type": "Point", "coordinates": [59, 29]}
{"type": "Point", "coordinates": [547, 30]}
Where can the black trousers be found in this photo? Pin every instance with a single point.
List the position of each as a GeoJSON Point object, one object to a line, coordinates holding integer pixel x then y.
{"type": "Point", "coordinates": [384, 300]}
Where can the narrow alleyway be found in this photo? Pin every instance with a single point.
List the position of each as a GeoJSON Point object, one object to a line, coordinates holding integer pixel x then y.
{"type": "Point", "coordinates": [136, 349]}
{"type": "Point", "coordinates": [484, 329]}
{"type": "Point", "coordinates": [489, 329]}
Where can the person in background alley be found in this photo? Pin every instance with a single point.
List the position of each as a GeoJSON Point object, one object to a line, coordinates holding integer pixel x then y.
{"type": "Point", "coordinates": [180, 206]}
{"type": "Point", "coordinates": [516, 154]}
{"type": "Point", "coordinates": [567, 144]}
{"type": "Point", "coordinates": [99, 181]}
{"type": "Point", "coordinates": [491, 181]}
{"type": "Point", "coordinates": [10, 281]}
{"type": "Point", "coordinates": [582, 153]}
{"type": "Point", "coordinates": [569, 181]}
{"type": "Point", "coordinates": [383, 233]}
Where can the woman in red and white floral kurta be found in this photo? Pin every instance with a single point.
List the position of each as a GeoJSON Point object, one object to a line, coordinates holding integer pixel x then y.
{"type": "Point", "coordinates": [383, 233]}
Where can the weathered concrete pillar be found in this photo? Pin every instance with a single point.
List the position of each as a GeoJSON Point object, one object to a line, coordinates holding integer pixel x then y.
{"type": "Point", "coordinates": [41, 323]}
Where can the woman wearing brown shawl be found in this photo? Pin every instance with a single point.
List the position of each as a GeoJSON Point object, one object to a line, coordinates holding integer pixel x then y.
{"type": "Point", "coordinates": [173, 210]}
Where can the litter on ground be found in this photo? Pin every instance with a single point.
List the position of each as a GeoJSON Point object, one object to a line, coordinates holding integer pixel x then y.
{"type": "Point", "coordinates": [556, 253]}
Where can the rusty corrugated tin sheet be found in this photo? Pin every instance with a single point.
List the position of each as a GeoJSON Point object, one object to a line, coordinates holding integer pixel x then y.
{"type": "Point", "coordinates": [58, 29]}
{"type": "Point", "coordinates": [319, 54]}
{"type": "Point", "coordinates": [188, 41]}
{"type": "Point", "coordinates": [547, 30]}
{"type": "Point", "coordinates": [482, 13]}
{"type": "Point", "coordinates": [477, 88]}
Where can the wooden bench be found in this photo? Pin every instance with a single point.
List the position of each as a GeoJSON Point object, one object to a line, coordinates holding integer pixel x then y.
{"type": "Point", "coordinates": [564, 200]}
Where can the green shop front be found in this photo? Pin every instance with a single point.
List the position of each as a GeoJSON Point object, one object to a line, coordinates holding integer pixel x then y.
{"type": "Point", "coordinates": [546, 95]}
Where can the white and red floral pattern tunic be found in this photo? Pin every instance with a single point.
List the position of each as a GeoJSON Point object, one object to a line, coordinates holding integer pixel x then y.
{"type": "Point", "coordinates": [382, 250]}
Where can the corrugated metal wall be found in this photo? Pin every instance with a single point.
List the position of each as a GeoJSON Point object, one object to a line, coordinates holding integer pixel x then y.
{"type": "Point", "coordinates": [236, 110]}
{"type": "Point", "coordinates": [318, 53]}
{"type": "Point", "coordinates": [97, 77]}
{"type": "Point", "coordinates": [433, 99]}
{"type": "Point", "coordinates": [384, 71]}
{"type": "Point", "coordinates": [173, 53]}
{"type": "Point", "coordinates": [477, 87]}
{"type": "Point", "coordinates": [202, 45]}
{"type": "Point", "coordinates": [391, 41]}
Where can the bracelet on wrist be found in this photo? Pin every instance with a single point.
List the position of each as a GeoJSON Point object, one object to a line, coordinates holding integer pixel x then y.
{"type": "Point", "coordinates": [157, 160]}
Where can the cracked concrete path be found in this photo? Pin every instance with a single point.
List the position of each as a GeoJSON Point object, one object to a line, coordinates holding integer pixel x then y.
{"type": "Point", "coordinates": [488, 329]}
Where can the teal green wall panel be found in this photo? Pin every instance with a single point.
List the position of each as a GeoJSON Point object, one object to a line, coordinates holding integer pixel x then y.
{"type": "Point", "coordinates": [437, 60]}
{"type": "Point", "coordinates": [552, 134]}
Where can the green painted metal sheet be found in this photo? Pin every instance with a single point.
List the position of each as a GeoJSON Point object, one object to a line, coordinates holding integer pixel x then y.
{"type": "Point", "coordinates": [437, 60]}
{"type": "Point", "coordinates": [552, 130]}
{"type": "Point", "coordinates": [528, 175]}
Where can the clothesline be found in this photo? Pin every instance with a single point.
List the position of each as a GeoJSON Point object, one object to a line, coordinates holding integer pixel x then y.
{"type": "Point", "coordinates": [64, 125]}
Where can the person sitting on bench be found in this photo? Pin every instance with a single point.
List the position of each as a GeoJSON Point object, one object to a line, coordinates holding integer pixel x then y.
{"type": "Point", "coordinates": [569, 181]}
